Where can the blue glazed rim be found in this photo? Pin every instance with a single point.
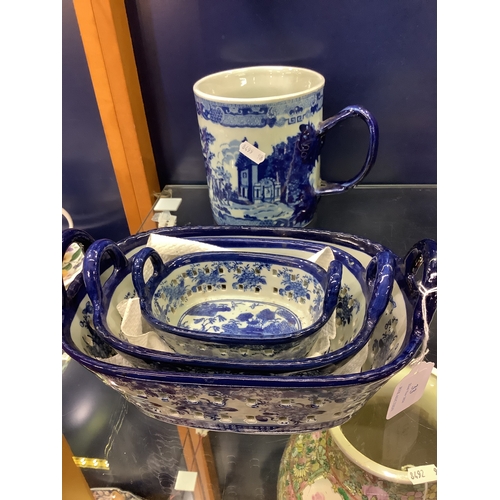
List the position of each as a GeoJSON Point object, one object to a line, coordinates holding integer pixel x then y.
{"type": "Point", "coordinates": [328, 280]}
{"type": "Point", "coordinates": [233, 380]}
{"type": "Point", "coordinates": [321, 236]}
{"type": "Point", "coordinates": [415, 328]}
{"type": "Point", "coordinates": [162, 359]}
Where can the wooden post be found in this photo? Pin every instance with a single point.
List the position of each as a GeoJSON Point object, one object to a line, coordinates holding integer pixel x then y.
{"type": "Point", "coordinates": [74, 485]}
{"type": "Point", "coordinates": [199, 458]}
{"type": "Point", "coordinates": [108, 48]}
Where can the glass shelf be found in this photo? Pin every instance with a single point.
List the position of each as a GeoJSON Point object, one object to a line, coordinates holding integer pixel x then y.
{"type": "Point", "coordinates": [140, 455]}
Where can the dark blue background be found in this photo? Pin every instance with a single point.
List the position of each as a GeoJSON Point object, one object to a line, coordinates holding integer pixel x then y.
{"type": "Point", "coordinates": [380, 54]}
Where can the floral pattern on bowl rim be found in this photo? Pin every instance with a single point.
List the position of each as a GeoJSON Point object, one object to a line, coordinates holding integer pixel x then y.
{"type": "Point", "coordinates": [282, 302]}
{"type": "Point", "coordinates": [244, 277]}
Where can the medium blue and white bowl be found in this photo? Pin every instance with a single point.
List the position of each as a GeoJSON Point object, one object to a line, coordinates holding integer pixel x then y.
{"type": "Point", "coordinates": [237, 305]}
{"type": "Point", "coordinates": [255, 404]}
{"type": "Point", "coordinates": [363, 298]}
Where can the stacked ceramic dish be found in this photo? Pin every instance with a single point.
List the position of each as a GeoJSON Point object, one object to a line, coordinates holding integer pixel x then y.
{"type": "Point", "coordinates": [259, 369]}
{"type": "Point", "coordinates": [275, 348]}
{"type": "Point", "coordinates": [226, 305]}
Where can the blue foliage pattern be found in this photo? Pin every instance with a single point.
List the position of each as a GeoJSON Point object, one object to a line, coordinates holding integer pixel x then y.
{"type": "Point", "coordinates": [254, 313]}
{"type": "Point", "coordinates": [277, 114]}
{"type": "Point", "coordinates": [346, 306]}
{"type": "Point", "coordinates": [94, 345]}
{"type": "Point", "coordinates": [383, 346]}
{"type": "Point", "coordinates": [260, 318]}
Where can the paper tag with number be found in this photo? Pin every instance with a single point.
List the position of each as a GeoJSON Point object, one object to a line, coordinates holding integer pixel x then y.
{"type": "Point", "coordinates": [422, 474]}
{"type": "Point", "coordinates": [252, 152]}
{"type": "Point", "coordinates": [410, 389]}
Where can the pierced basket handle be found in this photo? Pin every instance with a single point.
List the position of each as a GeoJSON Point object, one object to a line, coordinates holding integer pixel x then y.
{"type": "Point", "coordinates": [380, 274]}
{"type": "Point", "coordinates": [140, 259]}
{"type": "Point", "coordinates": [421, 259]}
{"type": "Point", "coordinates": [334, 274]}
{"type": "Point", "coordinates": [92, 264]}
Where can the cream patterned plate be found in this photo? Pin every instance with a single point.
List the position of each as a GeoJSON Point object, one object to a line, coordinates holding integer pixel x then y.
{"type": "Point", "coordinates": [113, 494]}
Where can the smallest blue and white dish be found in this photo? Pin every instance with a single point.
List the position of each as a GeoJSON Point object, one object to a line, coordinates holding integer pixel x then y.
{"type": "Point", "coordinates": [237, 305]}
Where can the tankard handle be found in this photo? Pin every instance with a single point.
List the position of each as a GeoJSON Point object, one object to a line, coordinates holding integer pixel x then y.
{"type": "Point", "coordinates": [326, 125]}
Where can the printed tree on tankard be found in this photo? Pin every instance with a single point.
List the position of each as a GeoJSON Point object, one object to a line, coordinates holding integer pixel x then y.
{"type": "Point", "coordinates": [206, 139]}
{"type": "Point", "coordinates": [294, 161]}
{"type": "Point", "coordinates": [282, 179]}
{"type": "Point", "coordinates": [218, 178]}
{"type": "Point", "coordinates": [221, 184]}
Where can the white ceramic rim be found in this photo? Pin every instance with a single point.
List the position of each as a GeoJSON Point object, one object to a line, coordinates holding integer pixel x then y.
{"type": "Point", "coordinates": [363, 462]}
{"type": "Point", "coordinates": [257, 100]}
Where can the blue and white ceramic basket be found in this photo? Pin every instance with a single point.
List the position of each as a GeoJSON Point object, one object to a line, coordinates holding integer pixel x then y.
{"type": "Point", "coordinates": [237, 305]}
{"type": "Point", "coordinates": [246, 403]}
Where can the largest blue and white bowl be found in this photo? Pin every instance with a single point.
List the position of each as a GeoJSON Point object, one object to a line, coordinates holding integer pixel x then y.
{"type": "Point", "coordinates": [256, 403]}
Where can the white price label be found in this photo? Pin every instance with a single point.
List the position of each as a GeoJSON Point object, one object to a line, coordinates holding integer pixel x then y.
{"type": "Point", "coordinates": [422, 474]}
{"type": "Point", "coordinates": [252, 152]}
{"type": "Point", "coordinates": [186, 481]}
{"type": "Point", "coordinates": [410, 389]}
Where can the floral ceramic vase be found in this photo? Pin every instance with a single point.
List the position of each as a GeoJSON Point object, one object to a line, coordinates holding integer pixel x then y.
{"type": "Point", "coordinates": [305, 470]}
{"type": "Point", "coordinates": [328, 465]}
